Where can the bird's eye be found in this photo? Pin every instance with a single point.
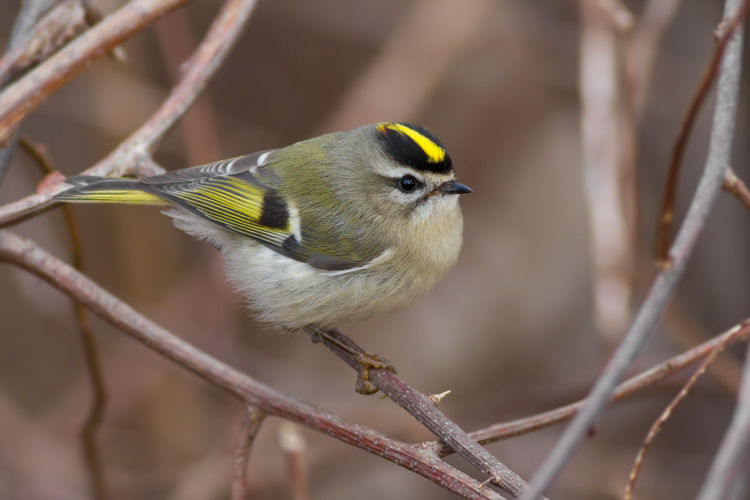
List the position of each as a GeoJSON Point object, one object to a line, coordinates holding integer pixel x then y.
{"type": "Point", "coordinates": [407, 184]}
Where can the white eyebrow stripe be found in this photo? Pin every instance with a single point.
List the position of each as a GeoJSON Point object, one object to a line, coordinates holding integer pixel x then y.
{"type": "Point", "coordinates": [395, 171]}
{"type": "Point", "coordinates": [398, 171]}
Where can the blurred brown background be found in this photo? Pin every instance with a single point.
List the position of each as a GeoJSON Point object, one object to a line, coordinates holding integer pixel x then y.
{"type": "Point", "coordinates": [510, 331]}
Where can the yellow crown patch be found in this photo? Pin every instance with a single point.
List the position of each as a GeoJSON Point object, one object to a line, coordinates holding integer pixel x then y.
{"type": "Point", "coordinates": [435, 153]}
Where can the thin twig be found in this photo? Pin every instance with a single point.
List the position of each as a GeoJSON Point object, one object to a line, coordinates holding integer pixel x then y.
{"type": "Point", "coordinates": [686, 332]}
{"type": "Point", "coordinates": [670, 409]}
{"type": "Point", "coordinates": [292, 443]}
{"type": "Point", "coordinates": [718, 160]}
{"type": "Point", "coordinates": [628, 388]}
{"type": "Point", "coordinates": [26, 255]}
{"type": "Point", "coordinates": [666, 213]}
{"type": "Point", "coordinates": [424, 410]}
{"type": "Point", "coordinates": [726, 370]}
{"type": "Point", "coordinates": [133, 155]}
{"type": "Point", "coordinates": [91, 356]}
{"type": "Point", "coordinates": [224, 32]}
{"type": "Point", "coordinates": [27, 94]}
{"type": "Point", "coordinates": [727, 478]}
{"type": "Point", "coordinates": [250, 427]}
{"type": "Point", "coordinates": [735, 186]}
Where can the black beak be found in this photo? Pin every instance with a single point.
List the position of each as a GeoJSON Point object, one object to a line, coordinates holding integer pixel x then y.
{"type": "Point", "coordinates": [453, 187]}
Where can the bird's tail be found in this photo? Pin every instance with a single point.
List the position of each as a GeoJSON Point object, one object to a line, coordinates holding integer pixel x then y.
{"type": "Point", "coordinates": [91, 189]}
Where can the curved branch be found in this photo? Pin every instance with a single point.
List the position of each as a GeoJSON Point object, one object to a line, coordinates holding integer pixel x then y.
{"type": "Point", "coordinates": [425, 411]}
{"type": "Point", "coordinates": [26, 255]}
{"type": "Point", "coordinates": [250, 428]}
{"type": "Point", "coordinates": [666, 214]}
{"type": "Point", "coordinates": [26, 95]}
{"type": "Point", "coordinates": [667, 413]}
{"type": "Point", "coordinates": [91, 356]}
{"type": "Point", "coordinates": [133, 155]}
{"type": "Point", "coordinates": [628, 388]}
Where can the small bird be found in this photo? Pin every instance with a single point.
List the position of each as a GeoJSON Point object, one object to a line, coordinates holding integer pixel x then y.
{"type": "Point", "coordinates": [339, 228]}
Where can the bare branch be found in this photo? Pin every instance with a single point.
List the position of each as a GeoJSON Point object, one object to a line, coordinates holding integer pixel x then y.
{"type": "Point", "coordinates": [423, 409]}
{"type": "Point", "coordinates": [202, 65]}
{"type": "Point", "coordinates": [33, 259]}
{"type": "Point", "coordinates": [250, 427]}
{"type": "Point", "coordinates": [94, 418]}
{"type": "Point", "coordinates": [715, 170]}
{"type": "Point", "coordinates": [24, 96]}
{"type": "Point", "coordinates": [64, 21]}
{"type": "Point", "coordinates": [29, 13]}
{"type": "Point", "coordinates": [133, 155]}
{"type": "Point", "coordinates": [628, 388]}
{"type": "Point", "coordinates": [726, 370]}
{"type": "Point", "coordinates": [666, 214]}
{"type": "Point", "coordinates": [199, 131]}
{"type": "Point", "coordinates": [672, 406]}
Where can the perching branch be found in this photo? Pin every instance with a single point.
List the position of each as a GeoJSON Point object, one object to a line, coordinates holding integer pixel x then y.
{"type": "Point", "coordinates": [717, 163]}
{"type": "Point", "coordinates": [424, 410]}
{"type": "Point", "coordinates": [136, 151]}
{"type": "Point", "coordinates": [28, 256]}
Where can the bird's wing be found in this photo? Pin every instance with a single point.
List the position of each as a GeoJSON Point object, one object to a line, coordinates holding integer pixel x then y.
{"type": "Point", "coordinates": [229, 194]}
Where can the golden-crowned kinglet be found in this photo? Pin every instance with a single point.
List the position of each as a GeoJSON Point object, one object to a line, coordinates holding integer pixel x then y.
{"type": "Point", "coordinates": [342, 227]}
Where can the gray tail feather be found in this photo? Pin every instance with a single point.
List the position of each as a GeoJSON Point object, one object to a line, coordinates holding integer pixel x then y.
{"type": "Point", "coordinates": [84, 181]}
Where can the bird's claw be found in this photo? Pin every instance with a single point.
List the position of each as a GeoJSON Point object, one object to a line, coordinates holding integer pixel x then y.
{"type": "Point", "coordinates": [366, 363]}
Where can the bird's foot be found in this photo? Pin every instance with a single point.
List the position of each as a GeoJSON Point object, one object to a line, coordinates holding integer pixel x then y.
{"type": "Point", "coordinates": [365, 362]}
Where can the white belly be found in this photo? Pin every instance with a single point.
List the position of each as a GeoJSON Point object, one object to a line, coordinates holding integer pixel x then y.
{"type": "Point", "coordinates": [293, 295]}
